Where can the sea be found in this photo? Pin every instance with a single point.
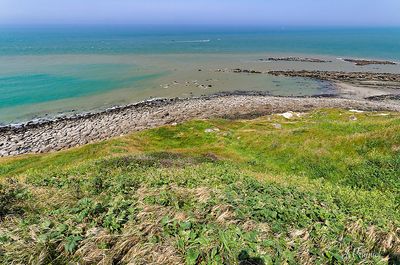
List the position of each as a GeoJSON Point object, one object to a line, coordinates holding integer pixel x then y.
{"type": "Point", "coordinates": [47, 71]}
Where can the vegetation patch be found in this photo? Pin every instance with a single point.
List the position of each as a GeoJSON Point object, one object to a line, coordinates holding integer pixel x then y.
{"type": "Point", "coordinates": [321, 188]}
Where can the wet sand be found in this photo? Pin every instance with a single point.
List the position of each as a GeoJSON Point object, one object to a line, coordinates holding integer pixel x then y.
{"type": "Point", "coordinates": [351, 91]}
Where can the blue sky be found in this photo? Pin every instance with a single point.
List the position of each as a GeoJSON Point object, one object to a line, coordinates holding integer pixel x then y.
{"type": "Point", "coordinates": [234, 12]}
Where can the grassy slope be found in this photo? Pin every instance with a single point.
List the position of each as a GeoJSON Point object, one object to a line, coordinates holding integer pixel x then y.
{"type": "Point", "coordinates": [324, 188]}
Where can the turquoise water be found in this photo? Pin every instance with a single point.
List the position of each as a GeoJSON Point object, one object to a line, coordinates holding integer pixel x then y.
{"type": "Point", "coordinates": [41, 65]}
{"type": "Point", "coordinates": [42, 87]}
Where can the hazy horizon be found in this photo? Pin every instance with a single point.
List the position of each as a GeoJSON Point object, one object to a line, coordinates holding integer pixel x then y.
{"type": "Point", "coordinates": [273, 13]}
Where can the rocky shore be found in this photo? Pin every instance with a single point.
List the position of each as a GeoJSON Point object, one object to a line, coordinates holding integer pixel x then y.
{"type": "Point", "coordinates": [67, 132]}
{"type": "Point", "coordinates": [380, 82]}
{"type": "Point", "coordinates": [359, 62]}
{"type": "Point", "coordinates": [362, 79]}
{"type": "Point", "coordinates": [352, 85]}
{"type": "Point", "coordinates": [329, 75]}
{"type": "Point", "coordinates": [295, 59]}
{"type": "Point", "coordinates": [340, 76]}
{"type": "Point", "coordinates": [385, 97]}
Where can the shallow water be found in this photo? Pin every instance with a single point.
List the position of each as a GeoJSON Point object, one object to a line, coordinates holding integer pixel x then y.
{"type": "Point", "coordinates": [47, 71]}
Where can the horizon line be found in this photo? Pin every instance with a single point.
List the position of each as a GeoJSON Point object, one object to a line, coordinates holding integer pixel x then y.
{"type": "Point", "coordinates": [282, 26]}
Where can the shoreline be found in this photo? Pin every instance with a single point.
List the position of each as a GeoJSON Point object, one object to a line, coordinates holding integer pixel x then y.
{"type": "Point", "coordinates": [67, 132]}
{"type": "Point", "coordinates": [169, 75]}
{"type": "Point", "coordinates": [351, 85]}
{"type": "Point", "coordinates": [357, 91]}
{"type": "Point", "coordinates": [87, 114]}
{"type": "Point", "coordinates": [107, 81]}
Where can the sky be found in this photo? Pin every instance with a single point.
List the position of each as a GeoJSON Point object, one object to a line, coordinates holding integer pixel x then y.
{"type": "Point", "coordinates": [203, 12]}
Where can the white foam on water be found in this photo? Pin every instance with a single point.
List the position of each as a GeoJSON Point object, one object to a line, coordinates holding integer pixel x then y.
{"type": "Point", "coordinates": [192, 41]}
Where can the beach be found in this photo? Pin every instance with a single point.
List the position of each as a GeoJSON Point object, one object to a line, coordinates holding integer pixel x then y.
{"type": "Point", "coordinates": [211, 89]}
{"type": "Point", "coordinates": [233, 87]}
{"type": "Point", "coordinates": [68, 132]}
{"type": "Point", "coordinates": [57, 97]}
{"type": "Point", "coordinates": [51, 85]}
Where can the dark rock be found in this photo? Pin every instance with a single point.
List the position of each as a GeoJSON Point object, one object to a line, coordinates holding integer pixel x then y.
{"type": "Point", "coordinates": [361, 62]}
{"type": "Point", "coordinates": [296, 59]}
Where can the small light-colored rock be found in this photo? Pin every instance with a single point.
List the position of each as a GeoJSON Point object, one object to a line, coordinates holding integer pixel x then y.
{"type": "Point", "coordinates": [277, 126]}
{"type": "Point", "coordinates": [211, 130]}
{"type": "Point", "coordinates": [287, 115]}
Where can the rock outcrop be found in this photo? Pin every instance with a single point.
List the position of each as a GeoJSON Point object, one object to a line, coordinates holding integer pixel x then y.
{"type": "Point", "coordinates": [296, 59]}
{"type": "Point", "coordinates": [361, 62]}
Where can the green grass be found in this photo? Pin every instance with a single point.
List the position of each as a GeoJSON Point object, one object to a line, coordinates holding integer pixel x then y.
{"type": "Point", "coordinates": [323, 189]}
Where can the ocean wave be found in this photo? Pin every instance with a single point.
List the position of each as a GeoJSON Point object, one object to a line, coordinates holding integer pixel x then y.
{"type": "Point", "coordinates": [191, 41]}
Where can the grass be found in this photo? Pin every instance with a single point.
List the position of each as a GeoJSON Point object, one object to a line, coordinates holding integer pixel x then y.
{"type": "Point", "coordinates": [322, 189]}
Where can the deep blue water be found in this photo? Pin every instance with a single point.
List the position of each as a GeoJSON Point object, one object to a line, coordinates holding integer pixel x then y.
{"type": "Point", "coordinates": [361, 42]}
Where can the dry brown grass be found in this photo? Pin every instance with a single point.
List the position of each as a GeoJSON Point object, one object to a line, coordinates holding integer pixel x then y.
{"type": "Point", "coordinates": [224, 214]}
{"type": "Point", "coordinates": [132, 245]}
{"type": "Point", "coordinates": [375, 242]}
{"type": "Point", "coordinates": [128, 248]}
